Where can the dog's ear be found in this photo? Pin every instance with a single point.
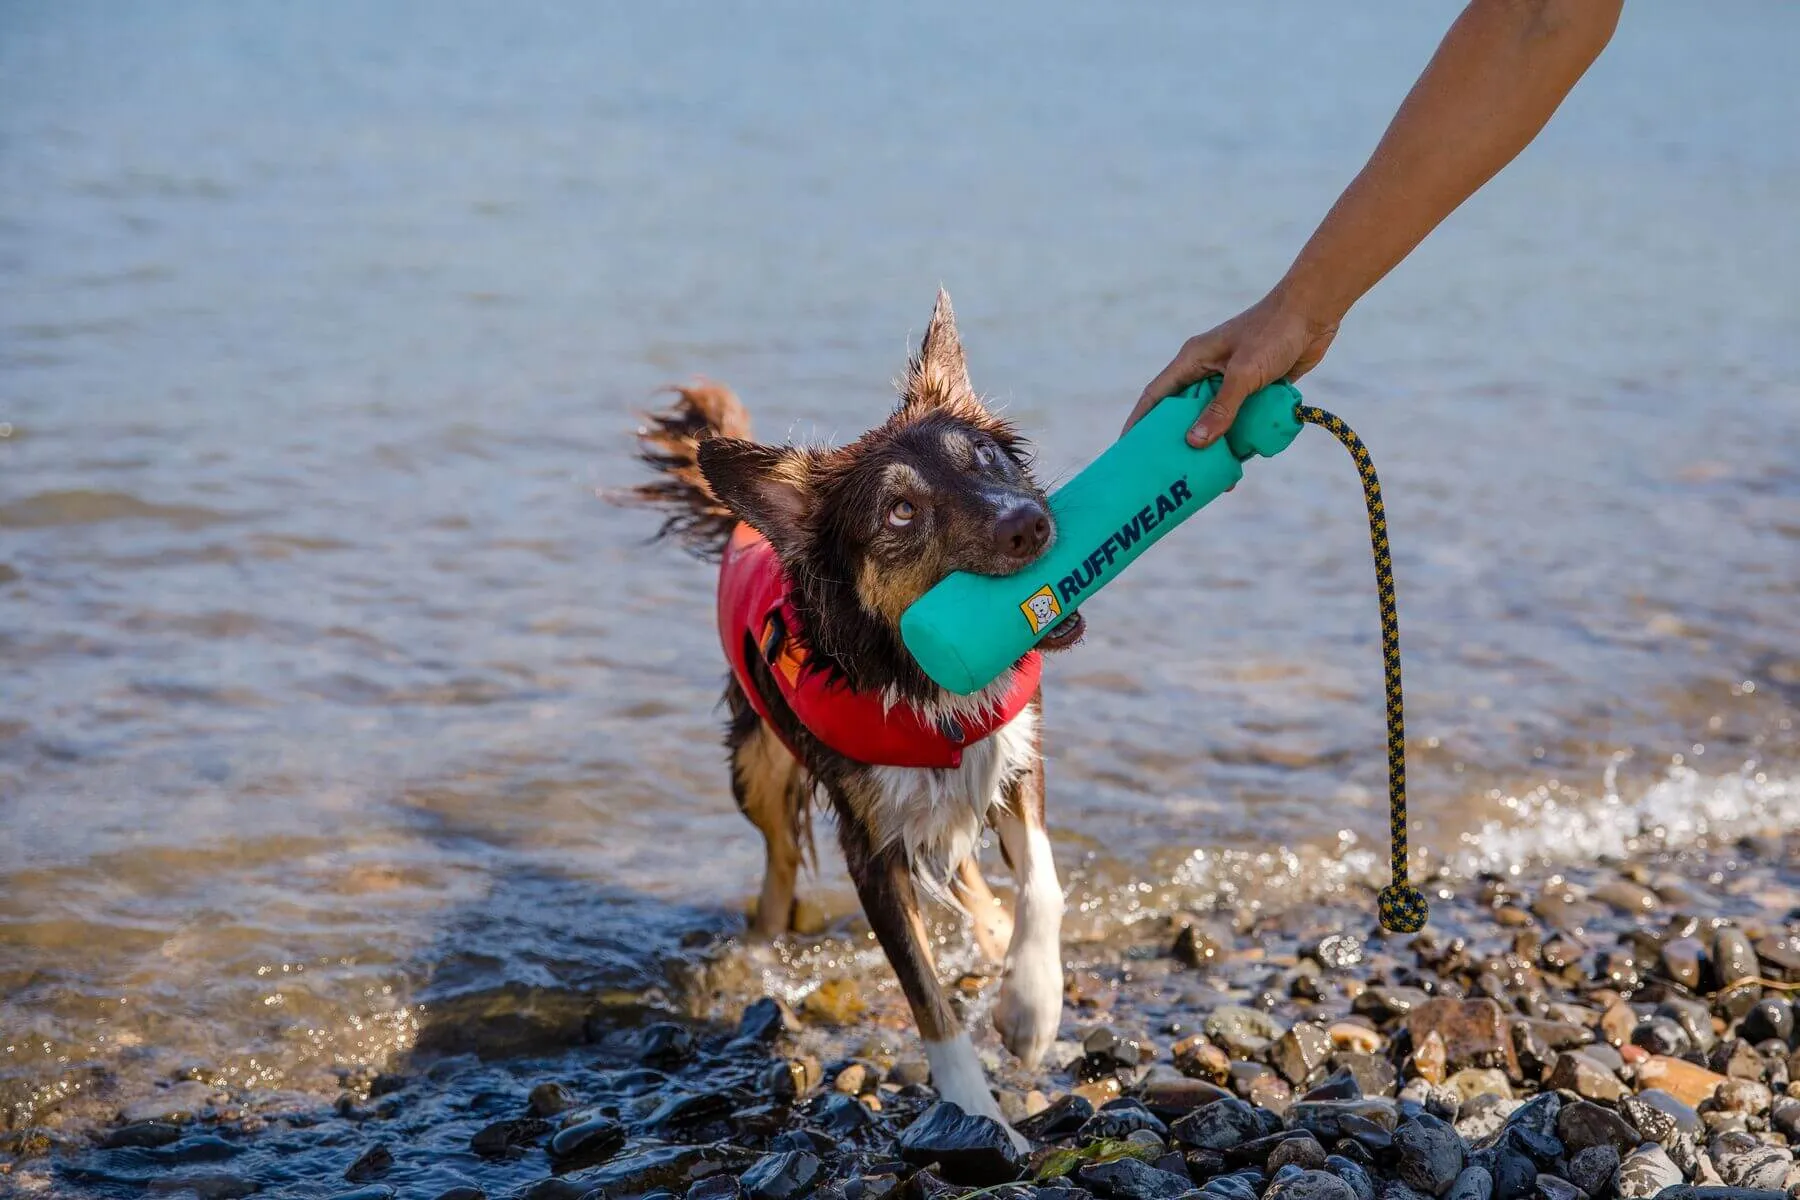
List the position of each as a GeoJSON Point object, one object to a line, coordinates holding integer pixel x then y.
{"type": "Point", "coordinates": [766, 486]}
{"type": "Point", "coordinates": [939, 374]}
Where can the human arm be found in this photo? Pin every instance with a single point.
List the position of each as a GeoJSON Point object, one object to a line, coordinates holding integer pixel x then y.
{"type": "Point", "coordinates": [1498, 76]}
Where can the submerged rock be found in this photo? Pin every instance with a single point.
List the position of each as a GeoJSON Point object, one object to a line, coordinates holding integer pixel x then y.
{"type": "Point", "coordinates": [786, 1176]}
{"type": "Point", "coordinates": [969, 1149]}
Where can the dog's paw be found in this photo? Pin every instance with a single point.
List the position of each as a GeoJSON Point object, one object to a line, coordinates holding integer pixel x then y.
{"type": "Point", "coordinates": [1028, 1011]}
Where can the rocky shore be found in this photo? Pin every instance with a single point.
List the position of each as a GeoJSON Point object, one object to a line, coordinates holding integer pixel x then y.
{"type": "Point", "coordinates": [1622, 1032]}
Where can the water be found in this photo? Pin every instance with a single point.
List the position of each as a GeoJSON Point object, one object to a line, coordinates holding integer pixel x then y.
{"type": "Point", "coordinates": [336, 704]}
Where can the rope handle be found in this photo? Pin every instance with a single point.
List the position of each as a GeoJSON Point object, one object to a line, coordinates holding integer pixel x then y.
{"type": "Point", "coordinates": [1402, 907]}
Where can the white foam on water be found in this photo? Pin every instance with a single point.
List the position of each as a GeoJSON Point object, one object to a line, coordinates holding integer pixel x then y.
{"type": "Point", "coordinates": [1684, 808]}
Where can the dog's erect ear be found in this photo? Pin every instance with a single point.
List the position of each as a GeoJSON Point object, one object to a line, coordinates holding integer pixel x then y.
{"type": "Point", "coordinates": [765, 486]}
{"type": "Point", "coordinates": [939, 374]}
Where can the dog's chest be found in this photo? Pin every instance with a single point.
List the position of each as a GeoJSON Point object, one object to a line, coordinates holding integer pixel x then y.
{"type": "Point", "coordinates": [937, 815]}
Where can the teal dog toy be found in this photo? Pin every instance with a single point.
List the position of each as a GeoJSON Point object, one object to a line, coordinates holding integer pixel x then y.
{"type": "Point", "coordinates": [965, 632]}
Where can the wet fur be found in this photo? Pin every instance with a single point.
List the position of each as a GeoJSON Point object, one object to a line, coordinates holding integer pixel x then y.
{"type": "Point", "coordinates": [903, 832]}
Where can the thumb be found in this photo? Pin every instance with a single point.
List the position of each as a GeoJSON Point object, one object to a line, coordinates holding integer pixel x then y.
{"type": "Point", "coordinates": [1217, 416]}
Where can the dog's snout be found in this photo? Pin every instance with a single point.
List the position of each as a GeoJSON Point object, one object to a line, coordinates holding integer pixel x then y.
{"type": "Point", "coordinates": [1022, 531]}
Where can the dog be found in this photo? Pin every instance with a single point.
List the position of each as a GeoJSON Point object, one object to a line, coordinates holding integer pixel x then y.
{"type": "Point", "coordinates": [820, 552]}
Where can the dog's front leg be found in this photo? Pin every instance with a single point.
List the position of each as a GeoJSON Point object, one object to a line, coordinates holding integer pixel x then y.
{"type": "Point", "coordinates": [884, 883]}
{"type": "Point", "coordinates": [1029, 1009]}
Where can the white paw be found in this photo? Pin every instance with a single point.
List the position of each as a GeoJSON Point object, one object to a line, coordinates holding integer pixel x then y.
{"type": "Point", "coordinates": [1029, 1008]}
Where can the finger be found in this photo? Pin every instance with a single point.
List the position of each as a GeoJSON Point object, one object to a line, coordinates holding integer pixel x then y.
{"type": "Point", "coordinates": [1194, 362]}
{"type": "Point", "coordinates": [1217, 416]}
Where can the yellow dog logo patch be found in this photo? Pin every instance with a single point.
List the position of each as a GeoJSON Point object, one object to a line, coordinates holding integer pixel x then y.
{"type": "Point", "coordinates": [1041, 610]}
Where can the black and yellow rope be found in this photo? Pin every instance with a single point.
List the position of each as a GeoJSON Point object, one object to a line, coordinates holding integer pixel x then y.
{"type": "Point", "coordinates": [1402, 906]}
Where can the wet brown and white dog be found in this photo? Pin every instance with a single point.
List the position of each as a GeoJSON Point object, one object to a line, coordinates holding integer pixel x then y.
{"type": "Point", "coordinates": [857, 534]}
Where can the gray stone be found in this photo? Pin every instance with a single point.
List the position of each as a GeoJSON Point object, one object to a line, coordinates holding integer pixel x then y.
{"type": "Point", "coordinates": [1645, 1172]}
{"type": "Point", "coordinates": [1354, 1174]}
{"type": "Point", "coordinates": [1744, 1161]}
{"type": "Point", "coordinates": [1133, 1179]}
{"type": "Point", "coordinates": [1554, 1187]}
{"type": "Point", "coordinates": [1592, 1170]}
{"type": "Point", "coordinates": [786, 1176]}
{"type": "Point", "coordinates": [1472, 1183]}
{"type": "Point", "coordinates": [1310, 1185]}
{"type": "Point", "coordinates": [1430, 1154]}
{"type": "Point", "coordinates": [1301, 1053]}
{"type": "Point", "coordinates": [1303, 1151]}
{"type": "Point", "coordinates": [1582, 1125]}
{"type": "Point", "coordinates": [1219, 1126]}
{"type": "Point", "coordinates": [1243, 1032]}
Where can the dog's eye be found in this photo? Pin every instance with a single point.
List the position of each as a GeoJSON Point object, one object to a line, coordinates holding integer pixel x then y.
{"type": "Point", "coordinates": [901, 514]}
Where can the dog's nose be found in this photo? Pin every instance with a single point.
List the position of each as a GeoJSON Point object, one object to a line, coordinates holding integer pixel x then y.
{"type": "Point", "coordinates": [1022, 531]}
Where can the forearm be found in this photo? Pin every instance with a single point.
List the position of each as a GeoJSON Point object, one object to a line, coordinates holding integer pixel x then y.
{"type": "Point", "coordinates": [1499, 74]}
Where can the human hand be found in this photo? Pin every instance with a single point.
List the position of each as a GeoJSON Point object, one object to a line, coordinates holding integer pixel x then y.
{"type": "Point", "coordinates": [1275, 338]}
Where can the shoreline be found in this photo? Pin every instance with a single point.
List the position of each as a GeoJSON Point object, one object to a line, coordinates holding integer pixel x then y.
{"type": "Point", "coordinates": [1600, 986]}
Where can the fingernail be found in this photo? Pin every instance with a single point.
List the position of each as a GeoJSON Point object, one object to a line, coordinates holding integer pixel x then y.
{"type": "Point", "coordinates": [1198, 436]}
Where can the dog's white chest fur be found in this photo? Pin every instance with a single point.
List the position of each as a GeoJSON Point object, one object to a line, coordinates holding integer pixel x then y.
{"type": "Point", "coordinates": [936, 815]}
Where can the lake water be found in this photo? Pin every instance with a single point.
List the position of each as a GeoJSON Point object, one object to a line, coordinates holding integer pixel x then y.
{"type": "Point", "coordinates": [332, 697]}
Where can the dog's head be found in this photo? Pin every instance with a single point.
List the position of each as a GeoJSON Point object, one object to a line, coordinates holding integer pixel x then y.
{"type": "Point", "coordinates": [942, 485]}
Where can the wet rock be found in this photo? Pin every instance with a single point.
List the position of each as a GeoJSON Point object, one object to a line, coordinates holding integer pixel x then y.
{"type": "Point", "coordinates": [1329, 1120]}
{"type": "Point", "coordinates": [1768, 1020]}
{"type": "Point", "coordinates": [1618, 968]}
{"type": "Point", "coordinates": [760, 1120]}
{"type": "Point", "coordinates": [666, 1044]}
{"type": "Point", "coordinates": [694, 1108]}
{"type": "Point", "coordinates": [673, 1168]}
{"type": "Point", "coordinates": [1194, 947]}
{"type": "Point", "coordinates": [1784, 1117]}
{"type": "Point", "coordinates": [1106, 1050]}
{"type": "Point", "coordinates": [1475, 1032]}
{"type": "Point", "coordinates": [835, 1002]}
{"type": "Point", "coordinates": [1733, 959]}
{"type": "Point", "coordinates": [764, 1021]}
{"type": "Point", "coordinates": [1269, 1091]}
{"type": "Point", "coordinates": [1471, 1082]}
{"type": "Point", "coordinates": [1430, 1059]}
{"type": "Point", "coordinates": [1645, 1172]}
{"type": "Point", "coordinates": [1554, 1187]}
{"type": "Point", "coordinates": [1300, 1054]}
{"type": "Point", "coordinates": [1582, 1125]}
{"type": "Point", "coordinates": [1617, 1023]}
{"type": "Point", "coordinates": [1354, 1038]}
{"type": "Point", "coordinates": [785, 1176]}
{"type": "Point", "coordinates": [1659, 1116]}
{"type": "Point", "coordinates": [1743, 1096]}
{"type": "Point", "coordinates": [1342, 1085]}
{"type": "Point", "coordinates": [1514, 1174]}
{"type": "Point", "coordinates": [549, 1100]}
{"type": "Point", "coordinates": [841, 1115]}
{"type": "Point", "coordinates": [1430, 1154]}
{"type": "Point", "coordinates": [1735, 1058]}
{"type": "Point", "coordinates": [141, 1135]}
{"type": "Point", "coordinates": [1119, 1119]}
{"type": "Point", "coordinates": [1537, 1115]}
{"type": "Point", "coordinates": [1395, 1189]}
{"type": "Point", "coordinates": [1218, 1126]}
{"type": "Point", "coordinates": [1684, 960]}
{"type": "Point", "coordinates": [1781, 957]}
{"type": "Point", "coordinates": [715, 1187]}
{"type": "Point", "coordinates": [1061, 1119]}
{"type": "Point", "coordinates": [1173, 1095]}
{"type": "Point", "coordinates": [373, 1163]}
{"type": "Point", "coordinates": [1694, 1019]}
{"type": "Point", "coordinates": [1242, 1032]}
{"type": "Point", "coordinates": [589, 1142]}
{"type": "Point", "coordinates": [1384, 1004]}
{"type": "Point", "coordinates": [853, 1079]}
{"type": "Point", "coordinates": [1354, 1174]}
{"type": "Point", "coordinates": [1200, 1059]}
{"type": "Point", "coordinates": [1471, 1183]}
{"type": "Point", "coordinates": [1592, 1169]}
{"type": "Point", "coordinates": [1236, 1186]}
{"type": "Point", "coordinates": [175, 1105]}
{"type": "Point", "coordinates": [1630, 898]}
{"type": "Point", "coordinates": [1579, 1073]}
{"type": "Point", "coordinates": [1660, 1035]}
{"type": "Point", "coordinates": [791, 1078]}
{"type": "Point", "coordinates": [1336, 951]}
{"type": "Point", "coordinates": [1744, 1161]}
{"type": "Point", "coordinates": [502, 1138]}
{"type": "Point", "coordinates": [909, 1072]}
{"type": "Point", "coordinates": [1131, 1179]}
{"type": "Point", "coordinates": [1374, 1074]}
{"type": "Point", "coordinates": [969, 1149]}
{"type": "Point", "coordinates": [1686, 1082]}
{"type": "Point", "coordinates": [1309, 1185]}
{"type": "Point", "coordinates": [1303, 1151]}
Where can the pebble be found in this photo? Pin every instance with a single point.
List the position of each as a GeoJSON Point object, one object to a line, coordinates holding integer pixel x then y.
{"type": "Point", "coordinates": [1684, 960]}
{"type": "Point", "coordinates": [1581, 1074]}
{"type": "Point", "coordinates": [1310, 1185]}
{"type": "Point", "coordinates": [1733, 958]}
{"type": "Point", "coordinates": [500, 1138]}
{"type": "Point", "coordinates": [969, 1148]}
{"type": "Point", "coordinates": [1354, 1174]}
{"type": "Point", "coordinates": [666, 1044]}
{"type": "Point", "coordinates": [1660, 1035]}
{"type": "Point", "coordinates": [1688, 1083]}
{"type": "Point", "coordinates": [1243, 1032]}
{"type": "Point", "coordinates": [1430, 1154]}
{"type": "Point", "coordinates": [1061, 1119]}
{"type": "Point", "coordinates": [1194, 947]}
{"type": "Point", "coordinates": [765, 1020]}
{"type": "Point", "coordinates": [1471, 1082]}
{"type": "Point", "coordinates": [141, 1135]}
{"type": "Point", "coordinates": [1219, 1126]}
{"type": "Point", "coordinates": [1430, 1057]}
{"type": "Point", "coordinates": [1583, 1125]}
{"type": "Point", "coordinates": [1617, 1023]}
{"type": "Point", "coordinates": [1646, 1171]}
{"type": "Point", "coordinates": [1303, 1152]}
{"type": "Point", "coordinates": [1133, 1179]}
{"type": "Point", "coordinates": [1592, 1169]}
{"type": "Point", "coordinates": [1471, 1183]}
{"type": "Point", "coordinates": [550, 1099]}
{"type": "Point", "coordinates": [785, 1176]}
{"type": "Point", "coordinates": [1301, 1053]}
{"type": "Point", "coordinates": [1744, 1161]}
{"type": "Point", "coordinates": [1475, 1032]}
{"type": "Point", "coordinates": [1743, 1095]}
{"type": "Point", "coordinates": [1694, 1019]}
{"type": "Point", "coordinates": [835, 1002]}
{"type": "Point", "coordinates": [1658, 1116]}
{"type": "Point", "coordinates": [1768, 1020]}
{"type": "Point", "coordinates": [589, 1142]}
{"type": "Point", "coordinates": [1119, 1119]}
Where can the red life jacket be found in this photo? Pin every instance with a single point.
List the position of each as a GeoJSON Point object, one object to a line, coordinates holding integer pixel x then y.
{"type": "Point", "coordinates": [755, 600]}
